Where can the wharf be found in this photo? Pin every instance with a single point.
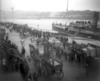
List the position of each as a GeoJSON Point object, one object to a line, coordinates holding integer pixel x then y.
{"type": "Point", "coordinates": [72, 71]}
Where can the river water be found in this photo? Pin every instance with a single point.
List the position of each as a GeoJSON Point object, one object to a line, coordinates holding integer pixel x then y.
{"type": "Point", "coordinates": [46, 24]}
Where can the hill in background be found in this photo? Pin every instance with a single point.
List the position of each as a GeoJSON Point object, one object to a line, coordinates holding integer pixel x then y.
{"type": "Point", "coordinates": [87, 15]}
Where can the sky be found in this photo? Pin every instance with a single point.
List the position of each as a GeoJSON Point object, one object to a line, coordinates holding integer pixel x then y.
{"type": "Point", "coordinates": [50, 5]}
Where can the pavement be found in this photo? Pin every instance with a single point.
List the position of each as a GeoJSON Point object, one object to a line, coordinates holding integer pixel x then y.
{"type": "Point", "coordinates": [72, 70]}
{"type": "Point", "coordinates": [10, 76]}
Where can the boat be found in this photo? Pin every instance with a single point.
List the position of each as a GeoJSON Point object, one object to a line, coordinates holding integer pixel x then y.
{"type": "Point", "coordinates": [82, 28]}
{"type": "Point", "coordinates": [59, 27]}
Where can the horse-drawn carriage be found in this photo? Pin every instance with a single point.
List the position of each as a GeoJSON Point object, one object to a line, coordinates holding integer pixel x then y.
{"type": "Point", "coordinates": [53, 68]}
{"type": "Point", "coordinates": [47, 67]}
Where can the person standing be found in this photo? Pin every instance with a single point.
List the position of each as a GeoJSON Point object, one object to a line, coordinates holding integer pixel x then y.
{"type": "Point", "coordinates": [35, 77]}
{"type": "Point", "coordinates": [23, 51]}
{"type": "Point", "coordinates": [23, 48]}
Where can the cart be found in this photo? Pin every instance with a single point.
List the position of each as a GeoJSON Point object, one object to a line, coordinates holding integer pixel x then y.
{"type": "Point", "coordinates": [47, 67]}
{"type": "Point", "coordinates": [51, 68]}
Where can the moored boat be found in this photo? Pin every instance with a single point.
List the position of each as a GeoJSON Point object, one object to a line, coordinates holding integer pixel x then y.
{"type": "Point", "coordinates": [88, 29]}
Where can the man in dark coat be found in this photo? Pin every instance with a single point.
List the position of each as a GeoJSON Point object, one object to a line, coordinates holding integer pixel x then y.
{"type": "Point", "coordinates": [23, 51]}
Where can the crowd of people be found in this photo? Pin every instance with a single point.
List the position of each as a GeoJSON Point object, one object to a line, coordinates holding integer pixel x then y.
{"type": "Point", "coordinates": [71, 51]}
{"type": "Point", "coordinates": [12, 60]}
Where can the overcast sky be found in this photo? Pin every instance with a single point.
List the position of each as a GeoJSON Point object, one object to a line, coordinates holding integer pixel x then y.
{"type": "Point", "coordinates": [50, 5]}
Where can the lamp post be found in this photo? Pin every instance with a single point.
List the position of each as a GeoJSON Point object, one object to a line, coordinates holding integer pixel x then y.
{"type": "Point", "coordinates": [38, 26]}
{"type": "Point", "coordinates": [67, 11]}
{"type": "Point", "coordinates": [12, 14]}
{"type": "Point", "coordinates": [67, 5]}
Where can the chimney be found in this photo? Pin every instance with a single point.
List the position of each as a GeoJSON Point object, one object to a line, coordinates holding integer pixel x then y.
{"type": "Point", "coordinates": [95, 21]}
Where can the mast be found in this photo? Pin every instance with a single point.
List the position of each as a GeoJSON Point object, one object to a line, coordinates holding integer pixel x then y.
{"type": "Point", "coordinates": [67, 5]}
{"type": "Point", "coordinates": [0, 10]}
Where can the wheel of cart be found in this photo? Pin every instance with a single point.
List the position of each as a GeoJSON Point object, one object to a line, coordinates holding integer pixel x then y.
{"type": "Point", "coordinates": [59, 74]}
{"type": "Point", "coordinates": [29, 77]}
{"type": "Point", "coordinates": [53, 68]}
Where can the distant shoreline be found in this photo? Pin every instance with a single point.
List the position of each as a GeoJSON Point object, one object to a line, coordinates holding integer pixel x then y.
{"type": "Point", "coordinates": [46, 18]}
{"type": "Point", "coordinates": [77, 15]}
